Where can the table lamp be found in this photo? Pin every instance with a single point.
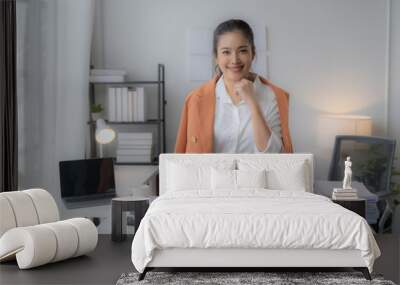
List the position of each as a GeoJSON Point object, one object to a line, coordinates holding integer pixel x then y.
{"type": "Point", "coordinates": [104, 134]}
{"type": "Point", "coordinates": [347, 124]}
{"type": "Point", "coordinates": [333, 125]}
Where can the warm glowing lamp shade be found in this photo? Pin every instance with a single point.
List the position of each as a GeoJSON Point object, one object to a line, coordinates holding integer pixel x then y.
{"type": "Point", "coordinates": [346, 125]}
{"type": "Point", "coordinates": [331, 126]}
{"type": "Point", "coordinates": [104, 134]}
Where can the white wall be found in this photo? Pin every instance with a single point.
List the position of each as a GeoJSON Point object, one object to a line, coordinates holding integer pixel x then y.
{"type": "Point", "coordinates": [53, 68]}
{"type": "Point", "coordinates": [394, 86]}
{"type": "Point", "coordinates": [74, 30]}
{"type": "Point", "coordinates": [394, 83]}
{"type": "Point", "coordinates": [53, 57]}
{"type": "Point", "coordinates": [330, 55]}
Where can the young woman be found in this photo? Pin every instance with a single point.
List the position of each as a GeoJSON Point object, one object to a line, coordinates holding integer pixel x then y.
{"type": "Point", "coordinates": [237, 111]}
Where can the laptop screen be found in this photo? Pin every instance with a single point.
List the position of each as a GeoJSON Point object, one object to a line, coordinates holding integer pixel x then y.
{"type": "Point", "coordinates": [87, 177]}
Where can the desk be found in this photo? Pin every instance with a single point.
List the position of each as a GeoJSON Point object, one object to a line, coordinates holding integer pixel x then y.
{"type": "Point", "coordinates": [325, 188]}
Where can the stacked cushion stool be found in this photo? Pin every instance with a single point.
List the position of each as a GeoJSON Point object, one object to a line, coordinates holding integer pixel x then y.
{"type": "Point", "coordinates": [31, 232]}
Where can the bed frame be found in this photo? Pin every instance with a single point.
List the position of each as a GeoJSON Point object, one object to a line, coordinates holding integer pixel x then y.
{"type": "Point", "coordinates": [241, 259]}
{"type": "Point", "coordinates": [245, 259]}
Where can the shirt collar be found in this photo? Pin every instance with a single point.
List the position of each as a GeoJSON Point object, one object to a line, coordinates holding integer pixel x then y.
{"type": "Point", "coordinates": [257, 84]}
{"type": "Point", "coordinates": [221, 92]}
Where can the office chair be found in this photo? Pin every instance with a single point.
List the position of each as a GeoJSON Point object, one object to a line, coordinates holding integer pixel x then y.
{"type": "Point", "coordinates": [372, 160]}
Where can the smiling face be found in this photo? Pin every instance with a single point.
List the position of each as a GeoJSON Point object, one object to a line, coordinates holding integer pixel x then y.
{"type": "Point", "coordinates": [234, 55]}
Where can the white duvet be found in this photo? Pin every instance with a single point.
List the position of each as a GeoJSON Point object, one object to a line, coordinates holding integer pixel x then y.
{"type": "Point", "coordinates": [252, 218]}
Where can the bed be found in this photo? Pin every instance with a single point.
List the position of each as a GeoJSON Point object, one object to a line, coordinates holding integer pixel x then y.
{"type": "Point", "coordinates": [247, 210]}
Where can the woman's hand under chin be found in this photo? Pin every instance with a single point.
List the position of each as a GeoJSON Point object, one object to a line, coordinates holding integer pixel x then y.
{"type": "Point", "coordinates": [245, 89]}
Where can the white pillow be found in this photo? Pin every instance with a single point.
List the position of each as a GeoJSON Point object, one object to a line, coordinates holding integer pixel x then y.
{"type": "Point", "coordinates": [289, 175]}
{"type": "Point", "coordinates": [223, 179]}
{"type": "Point", "coordinates": [236, 179]}
{"type": "Point", "coordinates": [188, 175]}
{"type": "Point", "coordinates": [293, 179]}
{"type": "Point", "coordinates": [183, 178]}
{"type": "Point", "coordinates": [251, 178]}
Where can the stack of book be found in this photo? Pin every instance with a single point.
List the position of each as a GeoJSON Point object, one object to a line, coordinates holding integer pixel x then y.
{"type": "Point", "coordinates": [344, 194]}
{"type": "Point", "coordinates": [126, 104]}
{"type": "Point", "coordinates": [107, 75]}
{"type": "Point", "coordinates": [135, 147]}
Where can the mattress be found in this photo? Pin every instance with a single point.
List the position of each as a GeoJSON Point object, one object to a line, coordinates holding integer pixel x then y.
{"type": "Point", "coordinates": [250, 219]}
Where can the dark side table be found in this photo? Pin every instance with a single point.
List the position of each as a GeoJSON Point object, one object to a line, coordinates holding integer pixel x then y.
{"type": "Point", "coordinates": [325, 188]}
{"type": "Point", "coordinates": [356, 205]}
{"type": "Point", "coordinates": [138, 205]}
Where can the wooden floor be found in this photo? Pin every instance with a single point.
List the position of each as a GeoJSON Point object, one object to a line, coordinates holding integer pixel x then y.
{"type": "Point", "coordinates": [111, 259]}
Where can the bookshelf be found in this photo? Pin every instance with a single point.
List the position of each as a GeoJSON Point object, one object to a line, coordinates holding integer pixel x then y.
{"type": "Point", "coordinates": [159, 122]}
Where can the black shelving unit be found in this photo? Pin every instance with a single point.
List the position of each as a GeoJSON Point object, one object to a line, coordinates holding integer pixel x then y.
{"type": "Point", "coordinates": [159, 121]}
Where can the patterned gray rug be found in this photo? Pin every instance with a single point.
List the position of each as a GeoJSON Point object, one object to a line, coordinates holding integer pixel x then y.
{"type": "Point", "coordinates": [243, 278]}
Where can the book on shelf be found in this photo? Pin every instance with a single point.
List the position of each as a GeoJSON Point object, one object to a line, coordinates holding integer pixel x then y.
{"type": "Point", "coordinates": [134, 146]}
{"type": "Point", "coordinates": [141, 98]}
{"type": "Point", "coordinates": [111, 105]}
{"type": "Point", "coordinates": [341, 190]}
{"type": "Point", "coordinates": [135, 106]}
{"type": "Point", "coordinates": [126, 104]}
{"type": "Point", "coordinates": [345, 198]}
{"type": "Point", "coordinates": [97, 71]}
{"type": "Point", "coordinates": [124, 100]}
{"type": "Point", "coordinates": [107, 75]}
{"type": "Point", "coordinates": [126, 139]}
{"type": "Point", "coordinates": [344, 194]}
{"type": "Point", "coordinates": [334, 197]}
{"type": "Point", "coordinates": [139, 144]}
{"type": "Point", "coordinates": [134, 158]}
{"type": "Point", "coordinates": [118, 96]}
{"type": "Point", "coordinates": [135, 151]}
{"type": "Point", "coordinates": [135, 135]}
{"type": "Point", "coordinates": [135, 140]}
{"type": "Point", "coordinates": [106, 78]}
{"type": "Point", "coordinates": [130, 105]}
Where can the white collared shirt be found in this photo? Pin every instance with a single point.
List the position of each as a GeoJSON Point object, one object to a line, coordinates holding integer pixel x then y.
{"type": "Point", "coordinates": [233, 130]}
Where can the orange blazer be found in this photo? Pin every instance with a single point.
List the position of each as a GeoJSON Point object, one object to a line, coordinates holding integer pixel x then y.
{"type": "Point", "coordinates": [196, 130]}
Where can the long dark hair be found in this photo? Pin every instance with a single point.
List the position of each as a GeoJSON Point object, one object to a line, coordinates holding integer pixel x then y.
{"type": "Point", "coordinates": [233, 25]}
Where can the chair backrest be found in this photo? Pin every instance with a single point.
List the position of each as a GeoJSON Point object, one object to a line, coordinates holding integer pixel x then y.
{"type": "Point", "coordinates": [26, 208]}
{"type": "Point", "coordinates": [372, 160]}
{"type": "Point", "coordinates": [213, 159]}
